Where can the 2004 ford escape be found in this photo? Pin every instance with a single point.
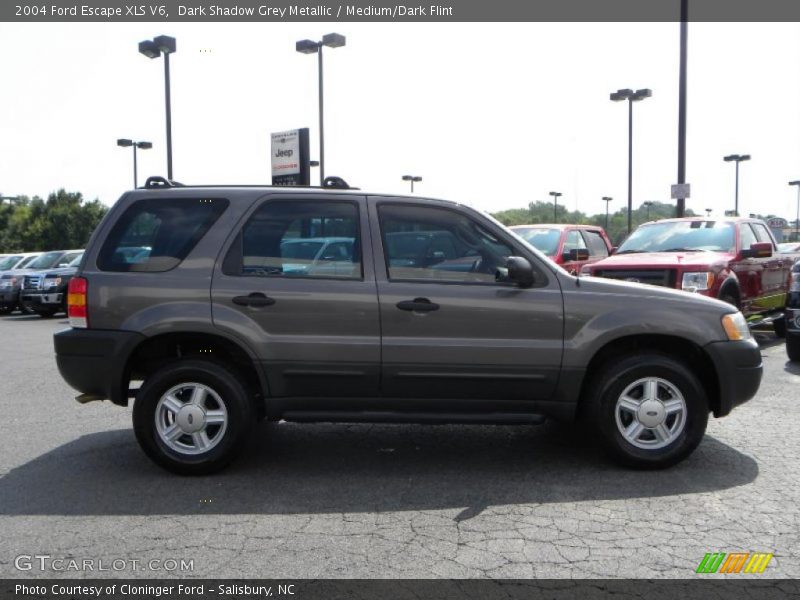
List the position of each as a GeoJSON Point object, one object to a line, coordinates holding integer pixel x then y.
{"type": "Point", "coordinates": [242, 303]}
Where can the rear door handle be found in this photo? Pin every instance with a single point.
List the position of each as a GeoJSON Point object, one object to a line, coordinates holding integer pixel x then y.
{"type": "Point", "coordinates": [254, 299]}
{"type": "Point", "coordinates": [418, 305]}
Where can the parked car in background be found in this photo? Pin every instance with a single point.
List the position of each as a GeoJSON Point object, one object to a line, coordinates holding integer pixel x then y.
{"type": "Point", "coordinates": [10, 279]}
{"type": "Point", "coordinates": [16, 261]}
{"type": "Point", "coordinates": [789, 247]}
{"type": "Point", "coordinates": [45, 293]}
{"type": "Point", "coordinates": [571, 246]}
{"type": "Point", "coordinates": [734, 259]}
{"type": "Point", "coordinates": [11, 282]}
{"type": "Point", "coordinates": [793, 315]}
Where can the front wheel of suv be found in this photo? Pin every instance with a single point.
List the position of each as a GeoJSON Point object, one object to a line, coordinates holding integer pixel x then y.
{"type": "Point", "coordinates": [650, 409]}
{"type": "Point", "coordinates": [192, 417]}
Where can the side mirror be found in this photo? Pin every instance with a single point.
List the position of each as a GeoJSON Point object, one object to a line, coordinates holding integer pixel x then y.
{"type": "Point", "coordinates": [517, 270]}
{"type": "Point", "coordinates": [576, 254]}
{"type": "Point", "coordinates": [758, 250]}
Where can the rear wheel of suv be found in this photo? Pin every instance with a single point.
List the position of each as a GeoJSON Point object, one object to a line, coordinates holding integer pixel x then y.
{"type": "Point", "coordinates": [192, 417]}
{"type": "Point", "coordinates": [651, 411]}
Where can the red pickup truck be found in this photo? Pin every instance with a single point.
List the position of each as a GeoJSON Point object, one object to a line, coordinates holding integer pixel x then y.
{"type": "Point", "coordinates": [571, 246]}
{"type": "Point", "coordinates": [733, 259]}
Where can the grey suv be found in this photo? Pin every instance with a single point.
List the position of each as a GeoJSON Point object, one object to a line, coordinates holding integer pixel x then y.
{"type": "Point", "coordinates": [424, 311]}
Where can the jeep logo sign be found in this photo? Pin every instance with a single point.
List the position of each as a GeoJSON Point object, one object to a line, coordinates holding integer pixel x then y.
{"type": "Point", "coordinates": [289, 158]}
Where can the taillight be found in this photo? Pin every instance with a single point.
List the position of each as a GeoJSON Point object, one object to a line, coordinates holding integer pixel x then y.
{"type": "Point", "coordinates": [76, 302]}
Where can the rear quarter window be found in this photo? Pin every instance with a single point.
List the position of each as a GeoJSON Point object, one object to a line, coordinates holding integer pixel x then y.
{"type": "Point", "coordinates": [156, 234]}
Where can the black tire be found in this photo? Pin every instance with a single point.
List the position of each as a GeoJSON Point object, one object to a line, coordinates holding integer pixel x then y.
{"type": "Point", "coordinates": [793, 347]}
{"type": "Point", "coordinates": [616, 376]}
{"type": "Point", "coordinates": [779, 327]}
{"type": "Point", "coordinates": [227, 389]}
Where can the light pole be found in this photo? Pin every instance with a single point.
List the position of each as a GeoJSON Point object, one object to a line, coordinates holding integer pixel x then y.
{"type": "Point", "coordinates": [607, 199]}
{"type": "Point", "coordinates": [631, 97]}
{"type": "Point", "coordinates": [708, 212]}
{"type": "Point", "coordinates": [647, 205]}
{"type": "Point", "coordinates": [797, 217]}
{"type": "Point", "coordinates": [737, 158]}
{"type": "Point", "coordinates": [555, 196]}
{"type": "Point", "coordinates": [126, 143]}
{"type": "Point", "coordinates": [412, 179]}
{"type": "Point", "coordinates": [163, 44]}
{"type": "Point", "coordinates": [332, 40]}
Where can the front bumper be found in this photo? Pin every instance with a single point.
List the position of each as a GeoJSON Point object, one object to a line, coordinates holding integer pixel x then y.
{"type": "Point", "coordinates": [93, 361]}
{"type": "Point", "coordinates": [43, 299]}
{"type": "Point", "coordinates": [739, 370]}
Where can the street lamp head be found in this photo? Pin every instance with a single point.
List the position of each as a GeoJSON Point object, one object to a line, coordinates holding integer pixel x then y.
{"type": "Point", "coordinates": [556, 194]}
{"type": "Point", "coordinates": [149, 49]}
{"type": "Point", "coordinates": [313, 163]}
{"type": "Point", "coordinates": [411, 178]}
{"type": "Point", "coordinates": [125, 143]}
{"type": "Point", "coordinates": [306, 47]}
{"type": "Point", "coordinates": [333, 40]}
{"type": "Point", "coordinates": [144, 145]}
{"type": "Point", "coordinates": [795, 182]}
{"type": "Point", "coordinates": [623, 94]}
{"type": "Point", "coordinates": [648, 203]}
{"type": "Point", "coordinates": [641, 94]}
{"type": "Point", "coordinates": [165, 43]}
{"type": "Point", "coordinates": [744, 157]}
{"type": "Point", "coordinates": [607, 198]}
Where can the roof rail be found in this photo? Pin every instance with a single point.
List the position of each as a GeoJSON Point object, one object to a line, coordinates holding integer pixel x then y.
{"type": "Point", "coordinates": [156, 182]}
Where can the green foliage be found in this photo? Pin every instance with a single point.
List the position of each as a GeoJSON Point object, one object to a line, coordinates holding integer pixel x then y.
{"type": "Point", "coordinates": [63, 221]}
{"type": "Point", "coordinates": [542, 212]}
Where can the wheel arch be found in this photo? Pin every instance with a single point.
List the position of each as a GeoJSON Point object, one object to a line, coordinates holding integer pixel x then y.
{"type": "Point", "coordinates": [682, 349]}
{"type": "Point", "coordinates": [152, 352]}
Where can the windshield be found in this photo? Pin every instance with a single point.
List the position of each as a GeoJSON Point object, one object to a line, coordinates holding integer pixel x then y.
{"type": "Point", "coordinates": [544, 240]}
{"type": "Point", "coordinates": [8, 262]}
{"type": "Point", "coordinates": [681, 236]}
{"type": "Point", "coordinates": [46, 260]}
{"type": "Point", "coordinates": [301, 250]}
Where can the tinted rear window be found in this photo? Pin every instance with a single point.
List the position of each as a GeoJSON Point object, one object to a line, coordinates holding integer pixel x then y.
{"type": "Point", "coordinates": [155, 235]}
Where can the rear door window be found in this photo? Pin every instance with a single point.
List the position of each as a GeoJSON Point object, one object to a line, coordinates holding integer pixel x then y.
{"type": "Point", "coordinates": [306, 239]}
{"type": "Point", "coordinates": [155, 235]}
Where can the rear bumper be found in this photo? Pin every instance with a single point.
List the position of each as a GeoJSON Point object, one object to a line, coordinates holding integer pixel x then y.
{"type": "Point", "coordinates": [739, 370]}
{"type": "Point", "coordinates": [93, 361]}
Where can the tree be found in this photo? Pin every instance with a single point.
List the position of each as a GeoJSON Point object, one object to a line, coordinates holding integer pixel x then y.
{"type": "Point", "coordinates": [63, 221]}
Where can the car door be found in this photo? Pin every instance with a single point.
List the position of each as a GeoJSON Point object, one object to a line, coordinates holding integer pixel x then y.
{"type": "Point", "coordinates": [314, 324]}
{"type": "Point", "coordinates": [449, 331]}
{"type": "Point", "coordinates": [776, 272]}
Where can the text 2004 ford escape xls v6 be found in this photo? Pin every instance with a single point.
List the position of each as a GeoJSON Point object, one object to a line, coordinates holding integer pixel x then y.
{"type": "Point", "coordinates": [338, 305]}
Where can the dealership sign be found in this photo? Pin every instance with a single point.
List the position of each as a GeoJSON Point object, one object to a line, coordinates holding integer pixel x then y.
{"type": "Point", "coordinates": [777, 223]}
{"type": "Point", "coordinates": [289, 154]}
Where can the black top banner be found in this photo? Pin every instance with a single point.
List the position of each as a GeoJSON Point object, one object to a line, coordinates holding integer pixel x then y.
{"type": "Point", "coordinates": [388, 11]}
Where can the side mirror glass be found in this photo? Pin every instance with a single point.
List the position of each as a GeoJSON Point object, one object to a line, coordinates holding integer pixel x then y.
{"type": "Point", "coordinates": [517, 270]}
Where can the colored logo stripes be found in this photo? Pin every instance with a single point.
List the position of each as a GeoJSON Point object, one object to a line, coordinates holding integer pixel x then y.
{"type": "Point", "coordinates": [735, 562]}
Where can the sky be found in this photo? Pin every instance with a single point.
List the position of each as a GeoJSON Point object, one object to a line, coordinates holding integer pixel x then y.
{"type": "Point", "coordinates": [496, 115]}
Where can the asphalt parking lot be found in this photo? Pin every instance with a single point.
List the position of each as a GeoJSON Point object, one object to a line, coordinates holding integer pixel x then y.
{"type": "Point", "coordinates": [374, 501]}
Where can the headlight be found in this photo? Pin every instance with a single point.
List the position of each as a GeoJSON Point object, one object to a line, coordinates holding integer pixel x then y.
{"type": "Point", "coordinates": [795, 285]}
{"type": "Point", "coordinates": [7, 283]}
{"type": "Point", "coordinates": [55, 282]}
{"type": "Point", "coordinates": [695, 282]}
{"type": "Point", "coordinates": [736, 327]}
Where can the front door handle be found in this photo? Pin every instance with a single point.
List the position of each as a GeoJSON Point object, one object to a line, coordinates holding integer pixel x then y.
{"type": "Point", "coordinates": [418, 305]}
{"type": "Point", "coordinates": [254, 299]}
